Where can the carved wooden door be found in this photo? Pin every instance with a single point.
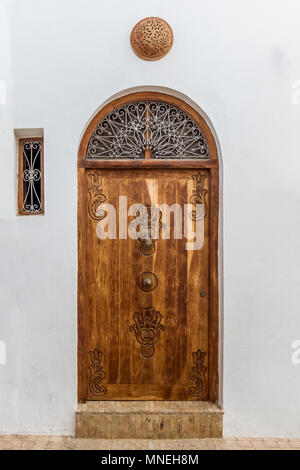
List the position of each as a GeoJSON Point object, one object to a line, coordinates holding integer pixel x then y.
{"type": "Point", "coordinates": [147, 330]}
{"type": "Point", "coordinates": [147, 323]}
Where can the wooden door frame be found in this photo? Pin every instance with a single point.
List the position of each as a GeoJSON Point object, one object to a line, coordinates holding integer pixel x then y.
{"type": "Point", "coordinates": [212, 165]}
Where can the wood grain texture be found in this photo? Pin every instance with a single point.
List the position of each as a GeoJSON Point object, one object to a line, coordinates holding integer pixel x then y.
{"type": "Point", "coordinates": [147, 163]}
{"type": "Point", "coordinates": [213, 369]}
{"type": "Point", "coordinates": [81, 291]}
{"type": "Point", "coordinates": [111, 295]}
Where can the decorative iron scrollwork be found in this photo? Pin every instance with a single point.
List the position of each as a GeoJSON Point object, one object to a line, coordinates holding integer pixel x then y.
{"type": "Point", "coordinates": [147, 327]}
{"type": "Point", "coordinates": [199, 195]}
{"type": "Point", "coordinates": [97, 373]}
{"type": "Point", "coordinates": [198, 375]}
{"type": "Point", "coordinates": [96, 197]}
{"type": "Point", "coordinates": [31, 171]}
{"type": "Point", "coordinates": [129, 130]}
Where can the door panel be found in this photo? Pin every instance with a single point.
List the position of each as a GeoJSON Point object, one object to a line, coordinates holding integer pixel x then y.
{"type": "Point", "coordinates": [172, 361]}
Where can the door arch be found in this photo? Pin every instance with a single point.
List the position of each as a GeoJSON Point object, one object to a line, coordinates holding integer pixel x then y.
{"type": "Point", "coordinates": [100, 152]}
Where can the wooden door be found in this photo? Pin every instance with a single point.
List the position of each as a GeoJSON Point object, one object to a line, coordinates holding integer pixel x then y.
{"type": "Point", "coordinates": [148, 326]}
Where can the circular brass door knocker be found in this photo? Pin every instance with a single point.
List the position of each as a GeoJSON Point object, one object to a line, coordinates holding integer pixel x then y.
{"type": "Point", "coordinates": [147, 246]}
{"type": "Point", "coordinates": [147, 282]}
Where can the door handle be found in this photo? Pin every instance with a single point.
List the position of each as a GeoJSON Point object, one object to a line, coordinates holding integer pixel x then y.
{"type": "Point", "coordinates": [147, 244]}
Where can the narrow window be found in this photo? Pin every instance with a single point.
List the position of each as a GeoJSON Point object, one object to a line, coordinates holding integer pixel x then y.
{"type": "Point", "coordinates": [31, 176]}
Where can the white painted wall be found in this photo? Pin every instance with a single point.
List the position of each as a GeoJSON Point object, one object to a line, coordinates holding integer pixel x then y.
{"type": "Point", "coordinates": [62, 59]}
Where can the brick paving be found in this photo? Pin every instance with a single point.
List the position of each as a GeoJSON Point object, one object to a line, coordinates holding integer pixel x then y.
{"type": "Point", "coordinates": [70, 443]}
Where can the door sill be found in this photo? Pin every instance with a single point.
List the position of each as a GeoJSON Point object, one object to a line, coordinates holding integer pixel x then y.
{"type": "Point", "coordinates": [148, 420]}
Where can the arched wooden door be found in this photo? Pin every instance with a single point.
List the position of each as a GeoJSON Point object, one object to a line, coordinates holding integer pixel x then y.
{"type": "Point", "coordinates": [147, 308]}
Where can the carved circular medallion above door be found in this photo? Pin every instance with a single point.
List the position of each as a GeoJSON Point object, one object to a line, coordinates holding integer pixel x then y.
{"type": "Point", "coordinates": [151, 38]}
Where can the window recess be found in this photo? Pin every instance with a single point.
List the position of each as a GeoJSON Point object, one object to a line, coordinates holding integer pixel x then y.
{"type": "Point", "coordinates": [31, 176]}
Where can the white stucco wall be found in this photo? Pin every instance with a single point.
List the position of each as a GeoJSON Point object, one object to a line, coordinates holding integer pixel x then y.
{"type": "Point", "coordinates": [62, 59]}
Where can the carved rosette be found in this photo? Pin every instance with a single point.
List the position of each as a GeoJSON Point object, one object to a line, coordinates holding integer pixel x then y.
{"type": "Point", "coordinates": [199, 196]}
{"type": "Point", "coordinates": [151, 38]}
{"type": "Point", "coordinates": [96, 197]}
{"type": "Point", "coordinates": [97, 373]}
{"type": "Point", "coordinates": [198, 375]}
{"type": "Point", "coordinates": [147, 327]}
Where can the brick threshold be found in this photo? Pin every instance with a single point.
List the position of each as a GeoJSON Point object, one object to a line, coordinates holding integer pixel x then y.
{"type": "Point", "coordinates": [17, 442]}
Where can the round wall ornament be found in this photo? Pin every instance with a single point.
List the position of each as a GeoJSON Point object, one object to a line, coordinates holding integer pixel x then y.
{"type": "Point", "coordinates": [151, 38]}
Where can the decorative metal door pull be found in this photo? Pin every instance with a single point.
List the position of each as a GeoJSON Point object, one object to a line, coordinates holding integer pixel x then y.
{"type": "Point", "coordinates": [147, 282]}
{"type": "Point", "coordinates": [149, 221]}
{"type": "Point", "coordinates": [147, 246]}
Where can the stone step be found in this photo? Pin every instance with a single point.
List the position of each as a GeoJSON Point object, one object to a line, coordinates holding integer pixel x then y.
{"type": "Point", "coordinates": [148, 420]}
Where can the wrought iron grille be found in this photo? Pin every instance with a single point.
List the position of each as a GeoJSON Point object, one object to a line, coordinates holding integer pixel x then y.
{"type": "Point", "coordinates": [31, 177]}
{"type": "Point", "coordinates": [165, 130]}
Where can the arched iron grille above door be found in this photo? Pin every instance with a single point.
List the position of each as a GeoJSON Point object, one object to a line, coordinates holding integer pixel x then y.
{"type": "Point", "coordinates": [156, 127]}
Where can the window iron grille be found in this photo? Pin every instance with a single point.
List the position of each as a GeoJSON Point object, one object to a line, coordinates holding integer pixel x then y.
{"type": "Point", "coordinates": [31, 177]}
